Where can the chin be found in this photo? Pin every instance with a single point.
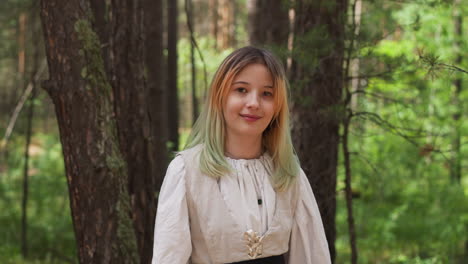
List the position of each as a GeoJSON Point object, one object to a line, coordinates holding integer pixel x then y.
{"type": "Point", "coordinates": [251, 132]}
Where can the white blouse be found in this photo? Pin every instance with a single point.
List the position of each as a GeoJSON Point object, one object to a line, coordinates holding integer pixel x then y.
{"type": "Point", "coordinates": [250, 200]}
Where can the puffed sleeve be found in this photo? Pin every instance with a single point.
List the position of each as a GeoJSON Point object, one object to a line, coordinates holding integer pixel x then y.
{"type": "Point", "coordinates": [308, 244]}
{"type": "Point", "coordinates": [172, 243]}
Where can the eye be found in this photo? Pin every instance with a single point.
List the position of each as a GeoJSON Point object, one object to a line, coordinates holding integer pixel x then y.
{"type": "Point", "coordinates": [241, 90]}
{"type": "Point", "coordinates": [268, 94]}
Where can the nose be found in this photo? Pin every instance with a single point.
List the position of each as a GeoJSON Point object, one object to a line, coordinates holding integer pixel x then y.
{"type": "Point", "coordinates": [253, 101]}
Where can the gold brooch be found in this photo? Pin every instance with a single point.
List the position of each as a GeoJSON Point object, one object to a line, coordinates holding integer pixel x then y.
{"type": "Point", "coordinates": [254, 244]}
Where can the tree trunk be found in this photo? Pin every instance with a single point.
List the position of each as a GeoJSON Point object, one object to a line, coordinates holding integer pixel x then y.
{"type": "Point", "coordinates": [24, 203]}
{"type": "Point", "coordinates": [20, 61]}
{"type": "Point", "coordinates": [191, 25]}
{"type": "Point", "coordinates": [456, 168]}
{"type": "Point", "coordinates": [101, 15]}
{"type": "Point", "coordinates": [21, 78]}
{"type": "Point", "coordinates": [213, 6]}
{"type": "Point", "coordinates": [226, 30]}
{"type": "Point", "coordinates": [351, 68]}
{"type": "Point", "coordinates": [21, 45]}
{"type": "Point", "coordinates": [172, 105]}
{"type": "Point", "coordinates": [354, 67]}
{"type": "Point", "coordinates": [95, 167]}
{"type": "Point", "coordinates": [268, 23]}
{"type": "Point", "coordinates": [143, 146]}
{"type": "Point", "coordinates": [36, 38]}
{"type": "Point", "coordinates": [316, 76]}
{"type": "Point", "coordinates": [158, 117]}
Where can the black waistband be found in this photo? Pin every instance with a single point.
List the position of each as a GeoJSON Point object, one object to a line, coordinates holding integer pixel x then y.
{"type": "Point", "coordinates": [268, 260]}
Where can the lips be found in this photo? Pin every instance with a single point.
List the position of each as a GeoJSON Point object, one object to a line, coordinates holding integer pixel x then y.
{"type": "Point", "coordinates": [250, 118]}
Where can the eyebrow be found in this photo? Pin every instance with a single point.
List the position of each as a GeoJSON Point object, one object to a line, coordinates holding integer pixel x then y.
{"type": "Point", "coordinates": [242, 82]}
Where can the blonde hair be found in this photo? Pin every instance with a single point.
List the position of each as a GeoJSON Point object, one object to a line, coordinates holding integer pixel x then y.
{"type": "Point", "coordinates": [209, 129]}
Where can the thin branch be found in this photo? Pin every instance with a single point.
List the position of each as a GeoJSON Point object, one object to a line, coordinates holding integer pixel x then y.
{"type": "Point", "coordinates": [389, 127]}
{"type": "Point", "coordinates": [368, 76]}
{"type": "Point", "coordinates": [433, 64]}
{"type": "Point", "coordinates": [368, 162]}
{"type": "Point", "coordinates": [453, 68]}
{"type": "Point", "coordinates": [380, 96]}
{"type": "Point", "coordinates": [194, 42]}
{"type": "Point", "coordinates": [189, 14]}
{"type": "Point", "coordinates": [25, 198]}
{"type": "Point", "coordinates": [19, 106]}
{"type": "Point", "coordinates": [344, 143]}
{"type": "Point", "coordinates": [378, 120]}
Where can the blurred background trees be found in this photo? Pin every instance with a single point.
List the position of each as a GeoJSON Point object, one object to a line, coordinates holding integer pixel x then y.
{"type": "Point", "coordinates": [379, 117]}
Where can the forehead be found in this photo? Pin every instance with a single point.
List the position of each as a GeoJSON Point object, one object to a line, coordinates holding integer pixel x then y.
{"type": "Point", "coordinates": [254, 73]}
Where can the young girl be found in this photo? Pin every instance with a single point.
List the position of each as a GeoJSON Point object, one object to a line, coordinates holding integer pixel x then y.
{"type": "Point", "coordinates": [236, 194]}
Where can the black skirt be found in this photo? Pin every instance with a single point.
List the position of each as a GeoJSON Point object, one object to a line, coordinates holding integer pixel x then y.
{"type": "Point", "coordinates": [268, 260]}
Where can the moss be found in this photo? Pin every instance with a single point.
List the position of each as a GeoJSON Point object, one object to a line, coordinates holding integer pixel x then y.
{"type": "Point", "coordinates": [115, 162]}
{"type": "Point", "coordinates": [94, 71]}
{"type": "Point", "coordinates": [98, 85]}
{"type": "Point", "coordinates": [125, 230]}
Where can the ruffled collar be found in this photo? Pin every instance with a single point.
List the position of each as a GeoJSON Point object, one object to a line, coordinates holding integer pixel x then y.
{"type": "Point", "coordinates": [265, 157]}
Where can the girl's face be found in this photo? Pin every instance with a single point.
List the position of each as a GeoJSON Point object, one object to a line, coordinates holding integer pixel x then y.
{"type": "Point", "coordinates": [249, 106]}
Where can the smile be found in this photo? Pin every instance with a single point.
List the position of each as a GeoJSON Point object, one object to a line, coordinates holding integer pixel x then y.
{"type": "Point", "coordinates": [250, 118]}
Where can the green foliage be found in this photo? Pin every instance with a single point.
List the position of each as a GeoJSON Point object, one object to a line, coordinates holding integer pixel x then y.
{"type": "Point", "coordinates": [407, 206]}
{"type": "Point", "coordinates": [50, 233]}
{"type": "Point", "coordinates": [212, 59]}
{"type": "Point", "coordinates": [408, 210]}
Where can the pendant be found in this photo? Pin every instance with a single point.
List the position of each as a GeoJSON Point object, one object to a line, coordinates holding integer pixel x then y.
{"type": "Point", "coordinates": [254, 244]}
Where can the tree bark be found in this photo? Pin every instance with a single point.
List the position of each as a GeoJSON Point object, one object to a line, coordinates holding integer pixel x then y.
{"type": "Point", "coordinates": [142, 138]}
{"type": "Point", "coordinates": [172, 90]}
{"type": "Point", "coordinates": [354, 66]}
{"type": "Point", "coordinates": [21, 45]}
{"type": "Point", "coordinates": [316, 76]}
{"type": "Point", "coordinates": [101, 15]}
{"type": "Point", "coordinates": [351, 68]}
{"type": "Point", "coordinates": [158, 109]}
{"type": "Point", "coordinates": [95, 167]}
{"type": "Point", "coordinates": [36, 37]}
{"type": "Point", "coordinates": [24, 203]}
{"type": "Point", "coordinates": [20, 61]}
{"type": "Point", "coordinates": [22, 78]}
{"type": "Point", "coordinates": [348, 192]}
{"type": "Point", "coordinates": [213, 6]}
{"type": "Point", "coordinates": [268, 22]}
{"type": "Point", "coordinates": [226, 30]}
{"type": "Point", "coordinates": [191, 26]}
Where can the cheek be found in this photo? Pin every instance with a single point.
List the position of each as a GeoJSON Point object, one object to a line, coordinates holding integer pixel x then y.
{"type": "Point", "coordinates": [230, 108]}
{"type": "Point", "coordinates": [233, 104]}
{"type": "Point", "coordinates": [269, 109]}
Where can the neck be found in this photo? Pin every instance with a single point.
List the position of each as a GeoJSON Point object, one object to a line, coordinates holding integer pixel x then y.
{"type": "Point", "coordinates": [243, 147]}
